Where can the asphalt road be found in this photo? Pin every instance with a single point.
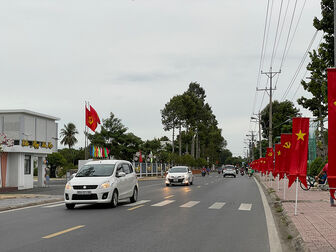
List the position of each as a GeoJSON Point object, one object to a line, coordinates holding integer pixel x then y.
{"type": "Point", "coordinates": [214, 214]}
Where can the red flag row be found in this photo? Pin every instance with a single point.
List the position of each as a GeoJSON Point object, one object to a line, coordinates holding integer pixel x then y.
{"type": "Point", "coordinates": [290, 156]}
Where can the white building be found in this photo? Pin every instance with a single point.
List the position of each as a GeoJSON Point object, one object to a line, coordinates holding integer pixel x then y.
{"type": "Point", "coordinates": [25, 137]}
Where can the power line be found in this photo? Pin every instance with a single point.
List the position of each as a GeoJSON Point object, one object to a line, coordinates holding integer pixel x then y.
{"type": "Point", "coordinates": [276, 35]}
{"type": "Point", "coordinates": [299, 67]}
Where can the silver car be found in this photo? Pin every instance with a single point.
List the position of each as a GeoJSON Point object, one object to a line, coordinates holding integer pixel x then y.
{"type": "Point", "coordinates": [179, 175]}
{"type": "Point", "coordinates": [229, 170]}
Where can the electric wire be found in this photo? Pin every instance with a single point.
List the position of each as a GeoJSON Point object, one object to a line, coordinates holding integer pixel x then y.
{"type": "Point", "coordinates": [299, 67]}
{"type": "Point", "coordinates": [276, 35]}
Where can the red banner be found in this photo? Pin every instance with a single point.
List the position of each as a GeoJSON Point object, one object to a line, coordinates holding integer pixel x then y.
{"type": "Point", "coordinates": [286, 143]}
{"type": "Point", "coordinates": [332, 130]}
{"type": "Point", "coordinates": [299, 152]}
{"type": "Point", "coordinates": [263, 165]}
{"type": "Point", "coordinates": [278, 159]}
{"type": "Point", "coordinates": [91, 118]}
{"type": "Point", "coordinates": [270, 160]}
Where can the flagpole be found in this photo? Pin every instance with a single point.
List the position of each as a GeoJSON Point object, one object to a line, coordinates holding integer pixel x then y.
{"type": "Point", "coordinates": [271, 180]}
{"type": "Point", "coordinates": [284, 184]}
{"type": "Point", "coordinates": [278, 182]}
{"type": "Point", "coordinates": [296, 195]}
{"type": "Point", "coordinates": [85, 133]}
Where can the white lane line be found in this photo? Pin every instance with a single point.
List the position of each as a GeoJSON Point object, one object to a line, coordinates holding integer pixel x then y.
{"type": "Point", "coordinates": [163, 203]}
{"type": "Point", "coordinates": [23, 208]}
{"type": "Point", "coordinates": [190, 204]}
{"type": "Point", "coordinates": [206, 183]}
{"type": "Point", "coordinates": [245, 207]}
{"type": "Point", "coordinates": [136, 203]}
{"type": "Point", "coordinates": [60, 204]}
{"type": "Point", "coordinates": [217, 205]}
{"type": "Point", "coordinates": [273, 237]}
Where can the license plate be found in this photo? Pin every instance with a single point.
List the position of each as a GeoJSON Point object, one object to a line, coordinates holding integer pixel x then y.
{"type": "Point", "coordinates": [83, 192]}
{"type": "Point", "coordinates": [175, 180]}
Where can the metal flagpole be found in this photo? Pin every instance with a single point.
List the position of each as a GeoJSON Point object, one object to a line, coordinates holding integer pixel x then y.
{"type": "Point", "coordinates": [296, 195]}
{"type": "Point", "coordinates": [85, 133]}
{"type": "Point", "coordinates": [271, 180]}
{"type": "Point", "coordinates": [284, 183]}
{"type": "Point", "coordinates": [278, 182]}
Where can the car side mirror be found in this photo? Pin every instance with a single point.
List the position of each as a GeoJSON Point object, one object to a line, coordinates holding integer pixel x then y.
{"type": "Point", "coordinates": [121, 174]}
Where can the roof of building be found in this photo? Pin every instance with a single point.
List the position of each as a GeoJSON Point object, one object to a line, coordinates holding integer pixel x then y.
{"type": "Point", "coordinates": [28, 112]}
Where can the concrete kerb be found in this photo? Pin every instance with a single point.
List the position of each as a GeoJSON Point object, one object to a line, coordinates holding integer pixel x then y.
{"type": "Point", "coordinates": [288, 232]}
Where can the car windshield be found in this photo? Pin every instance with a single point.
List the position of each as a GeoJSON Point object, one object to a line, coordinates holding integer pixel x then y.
{"type": "Point", "coordinates": [178, 169]}
{"type": "Point", "coordinates": [229, 167]}
{"type": "Point", "coordinates": [96, 170]}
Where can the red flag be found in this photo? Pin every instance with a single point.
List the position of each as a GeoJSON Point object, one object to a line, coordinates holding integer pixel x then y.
{"type": "Point", "coordinates": [277, 163]}
{"type": "Point", "coordinates": [263, 165]}
{"type": "Point", "coordinates": [286, 143]}
{"type": "Point", "coordinates": [332, 130]}
{"type": "Point", "coordinates": [299, 152]}
{"type": "Point", "coordinates": [270, 159]}
{"type": "Point", "coordinates": [91, 118]}
{"type": "Point", "coordinates": [140, 157]}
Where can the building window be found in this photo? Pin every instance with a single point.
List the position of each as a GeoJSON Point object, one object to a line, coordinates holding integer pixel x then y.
{"type": "Point", "coordinates": [27, 165]}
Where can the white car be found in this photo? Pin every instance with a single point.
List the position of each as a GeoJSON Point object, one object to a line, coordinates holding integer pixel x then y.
{"type": "Point", "coordinates": [179, 175]}
{"type": "Point", "coordinates": [229, 170]}
{"type": "Point", "coordinates": [104, 181]}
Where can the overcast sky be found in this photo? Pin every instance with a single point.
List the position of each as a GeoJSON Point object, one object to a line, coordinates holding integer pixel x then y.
{"type": "Point", "coordinates": [130, 57]}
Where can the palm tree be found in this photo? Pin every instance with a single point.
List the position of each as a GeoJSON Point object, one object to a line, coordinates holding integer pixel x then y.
{"type": "Point", "coordinates": [68, 133]}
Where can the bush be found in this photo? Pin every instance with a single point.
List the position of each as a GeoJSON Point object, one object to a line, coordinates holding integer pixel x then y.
{"type": "Point", "coordinates": [316, 166]}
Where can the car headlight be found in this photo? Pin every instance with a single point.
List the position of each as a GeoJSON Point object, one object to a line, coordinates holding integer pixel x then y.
{"type": "Point", "coordinates": [68, 186]}
{"type": "Point", "coordinates": [105, 185]}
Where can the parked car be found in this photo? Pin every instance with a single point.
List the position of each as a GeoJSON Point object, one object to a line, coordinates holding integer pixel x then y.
{"type": "Point", "coordinates": [104, 181]}
{"type": "Point", "coordinates": [179, 175]}
{"type": "Point", "coordinates": [229, 170]}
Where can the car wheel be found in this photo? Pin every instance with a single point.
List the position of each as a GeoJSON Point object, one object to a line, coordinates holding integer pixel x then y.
{"type": "Point", "coordinates": [114, 200]}
{"type": "Point", "coordinates": [191, 182]}
{"type": "Point", "coordinates": [70, 206]}
{"type": "Point", "coordinates": [134, 198]}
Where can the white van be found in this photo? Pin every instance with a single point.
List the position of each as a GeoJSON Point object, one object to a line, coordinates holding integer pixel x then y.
{"type": "Point", "coordinates": [103, 181]}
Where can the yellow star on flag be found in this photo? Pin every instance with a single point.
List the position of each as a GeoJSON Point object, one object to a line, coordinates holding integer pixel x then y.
{"type": "Point", "coordinates": [335, 103]}
{"type": "Point", "coordinates": [270, 154]}
{"type": "Point", "coordinates": [300, 135]}
{"type": "Point", "coordinates": [279, 153]}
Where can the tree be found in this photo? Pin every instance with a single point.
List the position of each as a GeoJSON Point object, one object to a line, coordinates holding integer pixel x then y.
{"type": "Point", "coordinates": [282, 113]}
{"type": "Point", "coordinates": [320, 61]}
{"type": "Point", "coordinates": [112, 136]}
{"type": "Point", "coordinates": [55, 160]}
{"type": "Point", "coordinates": [69, 135]}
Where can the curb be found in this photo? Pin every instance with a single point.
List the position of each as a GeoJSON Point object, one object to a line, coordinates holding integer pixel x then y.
{"type": "Point", "coordinates": [297, 242]}
{"type": "Point", "coordinates": [30, 204]}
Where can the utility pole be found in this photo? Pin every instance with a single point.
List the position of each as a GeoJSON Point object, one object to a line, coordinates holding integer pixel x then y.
{"type": "Point", "coordinates": [259, 125]}
{"type": "Point", "coordinates": [270, 75]}
{"type": "Point", "coordinates": [252, 145]}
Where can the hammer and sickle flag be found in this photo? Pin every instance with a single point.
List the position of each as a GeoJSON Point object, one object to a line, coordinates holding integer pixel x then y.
{"type": "Point", "coordinates": [299, 152]}
{"type": "Point", "coordinates": [270, 160]}
{"type": "Point", "coordinates": [286, 143]}
{"type": "Point", "coordinates": [332, 130]}
{"type": "Point", "coordinates": [91, 118]}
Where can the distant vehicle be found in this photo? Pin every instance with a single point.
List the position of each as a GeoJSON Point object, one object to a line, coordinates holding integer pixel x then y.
{"type": "Point", "coordinates": [229, 170]}
{"type": "Point", "coordinates": [104, 181]}
{"type": "Point", "coordinates": [179, 175]}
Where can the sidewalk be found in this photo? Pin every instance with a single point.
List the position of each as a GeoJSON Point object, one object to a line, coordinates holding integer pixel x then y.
{"type": "Point", "coordinates": [315, 219]}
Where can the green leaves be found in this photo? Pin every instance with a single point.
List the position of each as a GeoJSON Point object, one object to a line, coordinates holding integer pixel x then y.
{"type": "Point", "coordinates": [69, 135]}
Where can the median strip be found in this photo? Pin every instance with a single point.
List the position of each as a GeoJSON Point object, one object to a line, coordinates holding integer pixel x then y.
{"type": "Point", "coordinates": [63, 232]}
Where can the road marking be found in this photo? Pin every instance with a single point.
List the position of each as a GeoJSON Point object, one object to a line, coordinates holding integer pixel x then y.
{"type": "Point", "coordinates": [245, 207]}
{"type": "Point", "coordinates": [130, 209]}
{"type": "Point", "coordinates": [163, 203]}
{"type": "Point", "coordinates": [273, 237]}
{"type": "Point", "coordinates": [206, 183]}
{"type": "Point", "coordinates": [168, 197]}
{"type": "Point", "coordinates": [217, 205]}
{"type": "Point", "coordinates": [140, 202]}
{"type": "Point", "coordinates": [60, 204]}
{"type": "Point", "coordinates": [190, 204]}
{"type": "Point", "coordinates": [188, 190]}
{"type": "Point", "coordinates": [63, 232]}
{"type": "Point", "coordinates": [23, 208]}
{"type": "Point", "coordinates": [198, 186]}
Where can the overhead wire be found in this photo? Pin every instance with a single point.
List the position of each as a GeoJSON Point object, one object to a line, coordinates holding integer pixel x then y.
{"type": "Point", "coordinates": [276, 35]}
{"type": "Point", "coordinates": [299, 67]}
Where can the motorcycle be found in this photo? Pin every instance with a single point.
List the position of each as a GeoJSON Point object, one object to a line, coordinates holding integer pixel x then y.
{"type": "Point", "coordinates": [242, 173]}
{"type": "Point", "coordinates": [203, 173]}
